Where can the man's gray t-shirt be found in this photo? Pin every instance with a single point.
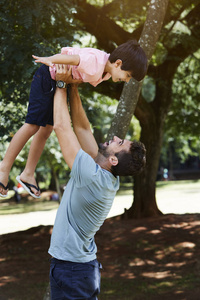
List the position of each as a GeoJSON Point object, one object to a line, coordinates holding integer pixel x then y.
{"type": "Point", "coordinates": [85, 205]}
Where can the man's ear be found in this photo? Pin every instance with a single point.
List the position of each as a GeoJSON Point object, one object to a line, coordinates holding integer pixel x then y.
{"type": "Point", "coordinates": [118, 63]}
{"type": "Point", "coordinates": [113, 160]}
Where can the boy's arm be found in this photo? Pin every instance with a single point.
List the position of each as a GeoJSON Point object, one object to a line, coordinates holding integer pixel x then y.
{"type": "Point", "coordinates": [62, 125]}
{"type": "Point", "coordinates": [58, 59]}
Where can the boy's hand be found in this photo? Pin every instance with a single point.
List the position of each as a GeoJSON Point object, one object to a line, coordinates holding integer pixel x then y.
{"type": "Point", "coordinates": [65, 74]}
{"type": "Point", "coordinates": [44, 60]}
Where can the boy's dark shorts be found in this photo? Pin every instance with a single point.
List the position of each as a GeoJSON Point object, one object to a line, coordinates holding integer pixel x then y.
{"type": "Point", "coordinates": [40, 108]}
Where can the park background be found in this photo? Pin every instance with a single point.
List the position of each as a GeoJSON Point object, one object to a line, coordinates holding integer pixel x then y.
{"type": "Point", "coordinates": [162, 111]}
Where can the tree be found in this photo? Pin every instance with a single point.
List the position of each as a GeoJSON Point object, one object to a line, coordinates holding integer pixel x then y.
{"type": "Point", "coordinates": [152, 115]}
{"type": "Point", "coordinates": [178, 40]}
{"type": "Point", "coordinates": [128, 102]}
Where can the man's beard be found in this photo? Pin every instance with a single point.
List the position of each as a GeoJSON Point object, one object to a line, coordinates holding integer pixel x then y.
{"type": "Point", "coordinates": [103, 150]}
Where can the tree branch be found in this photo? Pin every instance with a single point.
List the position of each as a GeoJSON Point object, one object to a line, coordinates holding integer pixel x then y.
{"type": "Point", "coordinates": [129, 98]}
{"type": "Point", "coordinates": [107, 32]}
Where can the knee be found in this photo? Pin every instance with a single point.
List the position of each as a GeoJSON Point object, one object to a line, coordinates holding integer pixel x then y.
{"type": "Point", "coordinates": [32, 129]}
{"type": "Point", "coordinates": [46, 131]}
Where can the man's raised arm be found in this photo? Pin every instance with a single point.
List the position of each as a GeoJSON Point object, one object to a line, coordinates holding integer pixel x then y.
{"type": "Point", "coordinates": [81, 123]}
{"type": "Point", "coordinates": [62, 125]}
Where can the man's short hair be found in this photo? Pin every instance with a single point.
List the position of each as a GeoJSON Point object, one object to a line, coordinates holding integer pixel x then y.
{"type": "Point", "coordinates": [133, 59]}
{"type": "Point", "coordinates": [130, 163]}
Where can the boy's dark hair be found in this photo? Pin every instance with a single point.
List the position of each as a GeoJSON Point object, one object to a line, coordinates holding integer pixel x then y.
{"type": "Point", "coordinates": [133, 59]}
{"type": "Point", "coordinates": [130, 163]}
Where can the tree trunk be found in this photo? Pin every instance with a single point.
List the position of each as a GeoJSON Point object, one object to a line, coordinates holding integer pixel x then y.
{"type": "Point", "coordinates": [130, 94]}
{"type": "Point", "coordinates": [54, 184]}
{"type": "Point", "coordinates": [171, 167]}
{"type": "Point", "coordinates": [57, 184]}
{"type": "Point", "coordinates": [125, 109]}
{"type": "Point", "coordinates": [144, 204]}
{"type": "Point", "coordinates": [152, 118]}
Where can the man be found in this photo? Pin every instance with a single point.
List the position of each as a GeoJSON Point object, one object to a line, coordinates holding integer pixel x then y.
{"type": "Point", "coordinates": [88, 197]}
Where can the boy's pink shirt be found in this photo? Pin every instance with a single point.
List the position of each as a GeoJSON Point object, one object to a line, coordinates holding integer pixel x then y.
{"type": "Point", "coordinates": [91, 66]}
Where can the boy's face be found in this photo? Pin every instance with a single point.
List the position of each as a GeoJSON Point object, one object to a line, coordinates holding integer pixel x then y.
{"type": "Point", "coordinates": [118, 74]}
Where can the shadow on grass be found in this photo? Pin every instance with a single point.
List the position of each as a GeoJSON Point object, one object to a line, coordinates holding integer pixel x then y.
{"type": "Point", "coordinates": [154, 259]}
{"type": "Point", "coordinates": [150, 258]}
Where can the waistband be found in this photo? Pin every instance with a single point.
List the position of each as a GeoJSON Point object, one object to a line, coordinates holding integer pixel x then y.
{"type": "Point", "coordinates": [94, 262]}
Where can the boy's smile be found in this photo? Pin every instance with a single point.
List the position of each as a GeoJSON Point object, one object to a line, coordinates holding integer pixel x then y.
{"type": "Point", "coordinates": [121, 75]}
{"type": "Point", "coordinates": [117, 73]}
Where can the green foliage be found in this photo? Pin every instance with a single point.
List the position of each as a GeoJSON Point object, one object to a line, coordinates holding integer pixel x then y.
{"type": "Point", "coordinates": [100, 111]}
{"type": "Point", "coordinates": [128, 14]}
{"type": "Point", "coordinates": [182, 125]}
{"type": "Point", "coordinates": [148, 89]}
{"type": "Point", "coordinates": [26, 28]}
{"type": "Point", "coordinates": [186, 92]}
{"type": "Point", "coordinates": [12, 116]}
{"type": "Point", "coordinates": [52, 162]}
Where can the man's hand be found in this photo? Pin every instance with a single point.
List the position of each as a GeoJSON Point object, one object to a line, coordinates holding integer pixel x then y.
{"type": "Point", "coordinates": [65, 74]}
{"type": "Point", "coordinates": [44, 60]}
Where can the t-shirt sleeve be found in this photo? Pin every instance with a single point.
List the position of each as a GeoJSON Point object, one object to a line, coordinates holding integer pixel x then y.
{"type": "Point", "coordinates": [84, 169]}
{"type": "Point", "coordinates": [92, 63]}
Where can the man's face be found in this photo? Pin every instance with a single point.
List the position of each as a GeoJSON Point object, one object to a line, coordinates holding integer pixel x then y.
{"type": "Point", "coordinates": [114, 146]}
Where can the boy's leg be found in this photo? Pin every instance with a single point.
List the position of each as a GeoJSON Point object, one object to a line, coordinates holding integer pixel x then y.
{"type": "Point", "coordinates": [36, 148]}
{"type": "Point", "coordinates": [17, 143]}
{"type": "Point", "coordinates": [40, 112]}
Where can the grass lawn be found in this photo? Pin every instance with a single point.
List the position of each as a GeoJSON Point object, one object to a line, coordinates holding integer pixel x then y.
{"type": "Point", "coordinates": [26, 204]}
{"type": "Point", "coordinates": [164, 190]}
